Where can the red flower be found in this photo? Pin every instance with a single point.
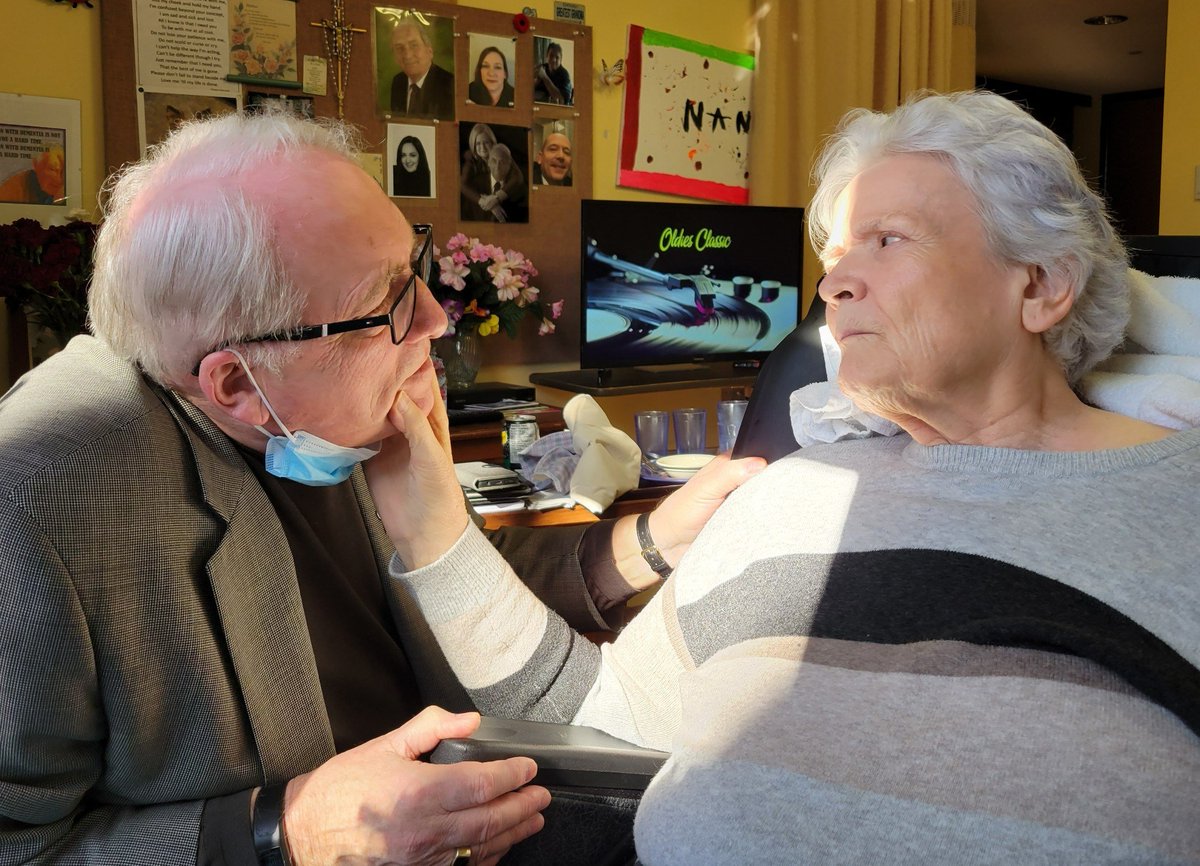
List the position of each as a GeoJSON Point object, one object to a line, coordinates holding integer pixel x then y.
{"type": "Point", "coordinates": [46, 272]}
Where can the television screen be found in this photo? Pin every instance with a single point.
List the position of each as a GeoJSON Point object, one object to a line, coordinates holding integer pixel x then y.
{"type": "Point", "coordinates": [667, 283]}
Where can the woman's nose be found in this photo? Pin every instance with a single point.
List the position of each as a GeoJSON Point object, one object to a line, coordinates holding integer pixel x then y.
{"type": "Point", "coordinates": [838, 285]}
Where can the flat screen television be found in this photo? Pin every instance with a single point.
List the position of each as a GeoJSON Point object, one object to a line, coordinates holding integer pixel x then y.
{"type": "Point", "coordinates": [685, 284]}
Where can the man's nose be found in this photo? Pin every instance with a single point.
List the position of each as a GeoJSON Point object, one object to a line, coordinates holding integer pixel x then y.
{"type": "Point", "coordinates": [430, 319]}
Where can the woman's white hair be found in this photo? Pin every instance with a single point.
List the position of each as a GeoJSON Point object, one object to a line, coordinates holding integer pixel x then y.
{"type": "Point", "coordinates": [1034, 203]}
{"type": "Point", "coordinates": [186, 262]}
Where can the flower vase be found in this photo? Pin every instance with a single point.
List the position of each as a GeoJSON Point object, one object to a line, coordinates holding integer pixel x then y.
{"type": "Point", "coordinates": [462, 354]}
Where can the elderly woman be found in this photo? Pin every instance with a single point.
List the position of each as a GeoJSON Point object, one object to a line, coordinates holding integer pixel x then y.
{"type": "Point", "coordinates": [475, 177]}
{"type": "Point", "coordinates": [976, 640]}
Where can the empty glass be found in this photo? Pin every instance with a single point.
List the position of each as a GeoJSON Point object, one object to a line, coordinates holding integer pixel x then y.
{"type": "Point", "coordinates": [691, 425]}
{"type": "Point", "coordinates": [729, 420]}
{"type": "Point", "coordinates": [650, 429]}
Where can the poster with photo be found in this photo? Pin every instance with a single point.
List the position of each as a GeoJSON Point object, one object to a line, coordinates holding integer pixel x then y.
{"type": "Point", "coordinates": [40, 168]}
{"type": "Point", "coordinates": [159, 113]}
{"type": "Point", "coordinates": [300, 106]}
{"type": "Point", "coordinates": [686, 122]}
{"type": "Point", "coordinates": [493, 70]}
{"type": "Point", "coordinates": [411, 160]}
{"type": "Point", "coordinates": [553, 68]}
{"type": "Point", "coordinates": [493, 185]}
{"type": "Point", "coordinates": [414, 63]}
{"type": "Point", "coordinates": [553, 152]}
{"type": "Point", "coordinates": [262, 40]}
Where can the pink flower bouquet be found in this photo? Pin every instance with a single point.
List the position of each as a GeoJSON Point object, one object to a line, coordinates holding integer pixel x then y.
{"type": "Point", "coordinates": [486, 288]}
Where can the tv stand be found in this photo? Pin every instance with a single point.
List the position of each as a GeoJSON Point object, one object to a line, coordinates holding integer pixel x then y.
{"type": "Point", "coordinates": [615, 381]}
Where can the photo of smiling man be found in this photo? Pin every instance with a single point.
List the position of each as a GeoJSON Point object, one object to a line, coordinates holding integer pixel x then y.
{"type": "Point", "coordinates": [552, 152]}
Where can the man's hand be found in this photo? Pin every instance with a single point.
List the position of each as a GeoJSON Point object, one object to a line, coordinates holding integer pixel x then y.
{"type": "Point", "coordinates": [679, 518]}
{"type": "Point", "coordinates": [414, 486]}
{"type": "Point", "coordinates": [378, 803]}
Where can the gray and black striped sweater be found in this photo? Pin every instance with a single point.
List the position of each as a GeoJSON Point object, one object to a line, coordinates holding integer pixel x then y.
{"type": "Point", "coordinates": [883, 652]}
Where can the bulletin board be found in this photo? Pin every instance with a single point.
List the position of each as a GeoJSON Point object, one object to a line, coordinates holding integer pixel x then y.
{"type": "Point", "coordinates": [550, 238]}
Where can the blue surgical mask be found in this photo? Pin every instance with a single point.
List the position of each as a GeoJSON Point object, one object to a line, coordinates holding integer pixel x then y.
{"type": "Point", "coordinates": [303, 456]}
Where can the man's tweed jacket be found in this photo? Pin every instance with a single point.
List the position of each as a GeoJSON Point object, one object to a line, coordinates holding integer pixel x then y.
{"type": "Point", "coordinates": [153, 648]}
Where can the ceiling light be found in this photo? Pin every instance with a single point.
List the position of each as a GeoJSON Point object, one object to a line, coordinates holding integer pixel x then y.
{"type": "Point", "coordinates": [1106, 19]}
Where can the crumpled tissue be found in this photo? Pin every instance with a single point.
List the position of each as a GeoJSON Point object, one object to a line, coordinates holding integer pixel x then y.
{"type": "Point", "coordinates": [591, 460]}
{"type": "Point", "coordinates": [821, 413]}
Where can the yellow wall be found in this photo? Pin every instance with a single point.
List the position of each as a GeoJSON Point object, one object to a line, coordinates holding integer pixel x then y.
{"type": "Point", "coordinates": [725, 25]}
{"type": "Point", "coordinates": [1178, 210]}
{"type": "Point", "coordinates": [50, 49]}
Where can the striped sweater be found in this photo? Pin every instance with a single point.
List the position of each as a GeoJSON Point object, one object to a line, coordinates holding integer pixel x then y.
{"type": "Point", "coordinates": [878, 651]}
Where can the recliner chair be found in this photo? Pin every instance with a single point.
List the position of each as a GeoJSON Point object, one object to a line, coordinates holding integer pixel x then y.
{"type": "Point", "coordinates": [797, 361]}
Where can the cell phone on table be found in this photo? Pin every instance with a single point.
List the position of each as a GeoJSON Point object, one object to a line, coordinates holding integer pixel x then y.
{"type": "Point", "coordinates": [480, 476]}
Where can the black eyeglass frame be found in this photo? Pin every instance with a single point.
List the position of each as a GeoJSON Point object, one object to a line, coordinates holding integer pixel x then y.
{"type": "Point", "coordinates": [423, 260]}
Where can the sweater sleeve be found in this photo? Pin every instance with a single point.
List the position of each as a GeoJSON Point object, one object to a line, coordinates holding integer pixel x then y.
{"type": "Point", "coordinates": [518, 659]}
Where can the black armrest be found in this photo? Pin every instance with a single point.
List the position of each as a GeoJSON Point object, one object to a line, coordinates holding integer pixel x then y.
{"type": "Point", "coordinates": [572, 756]}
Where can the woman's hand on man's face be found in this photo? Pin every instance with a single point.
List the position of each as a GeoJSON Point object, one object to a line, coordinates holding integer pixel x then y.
{"type": "Point", "coordinates": [412, 480]}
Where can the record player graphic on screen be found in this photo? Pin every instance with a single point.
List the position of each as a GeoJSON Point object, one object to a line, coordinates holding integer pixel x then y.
{"type": "Point", "coordinates": [678, 284]}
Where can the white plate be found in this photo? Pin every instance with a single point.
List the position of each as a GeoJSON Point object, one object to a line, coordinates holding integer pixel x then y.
{"type": "Point", "coordinates": [682, 465]}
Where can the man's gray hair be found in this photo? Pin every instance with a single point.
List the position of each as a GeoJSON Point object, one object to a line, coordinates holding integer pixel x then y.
{"type": "Point", "coordinates": [185, 260]}
{"type": "Point", "coordinates": [416, 24]}
{"type": "Point", "coordinates": [1034, 203]}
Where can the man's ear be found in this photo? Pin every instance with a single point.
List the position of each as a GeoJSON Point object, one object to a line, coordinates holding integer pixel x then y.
{"type": "Point", "coordinates": [227, 386]}
{"type": "Point", "coordinates": [1047, 299]}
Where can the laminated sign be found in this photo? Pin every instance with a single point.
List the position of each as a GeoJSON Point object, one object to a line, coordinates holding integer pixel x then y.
{"type": "Point", "coordinates": [686, 125]}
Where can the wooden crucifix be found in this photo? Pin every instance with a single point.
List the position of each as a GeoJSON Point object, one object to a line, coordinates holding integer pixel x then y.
{"type": "Point", "coordinates": [338, 38]}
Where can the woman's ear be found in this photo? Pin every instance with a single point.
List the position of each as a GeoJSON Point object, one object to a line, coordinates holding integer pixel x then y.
{"type": "Point", "coordinates": [1047, 299]}
{"type": "Point", "coordinates": [227, 386]}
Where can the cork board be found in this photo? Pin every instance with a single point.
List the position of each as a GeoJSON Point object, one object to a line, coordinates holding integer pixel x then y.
{"type": "Point", "coordinates": [550, 238]}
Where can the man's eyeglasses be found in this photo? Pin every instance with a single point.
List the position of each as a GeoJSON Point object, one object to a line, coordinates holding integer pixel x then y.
{"type": "Point", "coordinates": [398, 318]}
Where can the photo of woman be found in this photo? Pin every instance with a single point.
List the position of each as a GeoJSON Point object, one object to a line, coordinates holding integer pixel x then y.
{"type": "Point", "coordinates": [410, 176]}
{"type": "Point", "coordinates": [491, 84]}
{"type": "Point", "coordinates": [410, 156]}
{"type": "Point", "coordinates": [493, 80]}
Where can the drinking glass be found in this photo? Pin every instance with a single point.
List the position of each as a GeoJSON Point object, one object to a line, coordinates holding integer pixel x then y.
{"type": "Point", "coordinates": [729, 420]}
{"type": "Point", "coordinates": [650, 429]}
{"type": "Point", "coordinates": [691, 425]}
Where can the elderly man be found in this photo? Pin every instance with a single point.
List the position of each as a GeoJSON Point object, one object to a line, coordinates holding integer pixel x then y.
{"type": "Point", "coordinates": [508, 198]}
{"type": "Point", "coordinates": [42, 184]}
{"type": "Point", "coordinates": [421, 88]}
{"type": "Point", "coordinates": [552, 163]}
{"type": "Point", "coordinates": [197, 635]}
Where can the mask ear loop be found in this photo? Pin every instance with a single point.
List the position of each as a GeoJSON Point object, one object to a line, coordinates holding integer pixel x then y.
{"type": "Point", "coordinates": [266, 402]}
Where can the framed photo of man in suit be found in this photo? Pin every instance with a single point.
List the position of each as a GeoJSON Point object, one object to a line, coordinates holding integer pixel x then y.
{"type": "Point", "coordinates": [414, 63]}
